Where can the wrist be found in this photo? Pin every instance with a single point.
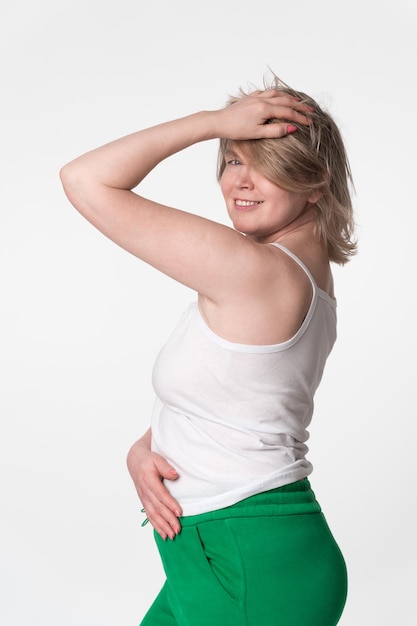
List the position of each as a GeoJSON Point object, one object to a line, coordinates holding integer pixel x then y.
{"type": "Point", "coordinates": [206, 121]}
{"type": "Point", "coordinates": [192, 129]}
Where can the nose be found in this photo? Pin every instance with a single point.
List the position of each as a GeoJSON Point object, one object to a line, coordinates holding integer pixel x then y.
{"type": "Point", "coordinates": [244, 178]}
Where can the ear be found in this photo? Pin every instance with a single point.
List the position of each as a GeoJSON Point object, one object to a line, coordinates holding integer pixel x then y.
{"type": "Point", "coordinates": [315, 196]}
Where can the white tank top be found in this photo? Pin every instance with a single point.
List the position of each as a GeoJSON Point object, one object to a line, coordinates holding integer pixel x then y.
{"type": "Point", "coordinates": [232, 418]}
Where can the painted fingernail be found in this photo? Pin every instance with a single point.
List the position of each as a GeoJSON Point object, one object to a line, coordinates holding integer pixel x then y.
{"type": "Point", "coordinates": [310, 108]}
{"type": "Point", "coordinates": [291, 128]}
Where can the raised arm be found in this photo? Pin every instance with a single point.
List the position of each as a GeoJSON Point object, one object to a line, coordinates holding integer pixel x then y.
{"type": "Point", "coordinates": [195, 251]}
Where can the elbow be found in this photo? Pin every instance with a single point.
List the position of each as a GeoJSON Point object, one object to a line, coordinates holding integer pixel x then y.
{"type": "Point", "coordinates": [75, 185]}
{"type": "Point", "coordinates": [85, 194]}
{"type": "Point", "coordinates": [63, 172]}
{"type": "Point", "coordinates": [65, 176]}
{"type": "Point", "coordinates": [68, 178]}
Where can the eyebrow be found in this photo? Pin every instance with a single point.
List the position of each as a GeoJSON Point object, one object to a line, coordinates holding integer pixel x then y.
{"type": "Point", "coordinates": [231, 153]}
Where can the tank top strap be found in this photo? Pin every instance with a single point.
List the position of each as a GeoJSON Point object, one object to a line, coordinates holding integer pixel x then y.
{"type": "Point", "coordinates": [298, 261]}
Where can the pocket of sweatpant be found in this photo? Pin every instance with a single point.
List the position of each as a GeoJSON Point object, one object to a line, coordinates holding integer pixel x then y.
{"type": "Point", "coordinates": [224, 560]}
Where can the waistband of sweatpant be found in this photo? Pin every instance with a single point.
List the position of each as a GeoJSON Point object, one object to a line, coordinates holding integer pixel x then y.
{"type": "Point", "coordinates": [294, 499]}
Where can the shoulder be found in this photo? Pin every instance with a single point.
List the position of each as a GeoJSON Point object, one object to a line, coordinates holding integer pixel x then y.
{"type": "Point", "coordinates": [313, 255]}
{"type": "Point", "coordinates": [272, 305]}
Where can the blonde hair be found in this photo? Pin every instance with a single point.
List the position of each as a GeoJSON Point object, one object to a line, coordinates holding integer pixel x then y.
{"type": "Point", "coordinates": [312, 158]}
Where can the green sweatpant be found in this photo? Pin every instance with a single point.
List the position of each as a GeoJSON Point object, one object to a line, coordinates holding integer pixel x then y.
{"type": "Point", "coordinates": [269, 560]}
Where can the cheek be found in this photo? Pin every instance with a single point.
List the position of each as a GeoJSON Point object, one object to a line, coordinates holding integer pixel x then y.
{"type": "Point", "coordinates": [296, 200]}
{"type": "Point", "coordinates": [224, 186]}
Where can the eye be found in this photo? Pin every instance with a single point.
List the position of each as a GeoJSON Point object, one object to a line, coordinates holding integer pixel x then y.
{"type": "Point", "coordinates": [233, 162]}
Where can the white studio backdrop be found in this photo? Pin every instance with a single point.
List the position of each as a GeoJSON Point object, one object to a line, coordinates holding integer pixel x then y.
{"type": "Point", "coordinates": [81, 321]}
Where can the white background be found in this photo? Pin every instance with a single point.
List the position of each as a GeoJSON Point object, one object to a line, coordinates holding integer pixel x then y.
{"type": "Point", "coordinates": [81, 320]}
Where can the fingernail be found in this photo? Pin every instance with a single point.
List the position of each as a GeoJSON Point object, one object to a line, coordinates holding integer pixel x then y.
{"type": "Point", "coordinates": [177, 513]}
{"type": "Point", "coordinates": [291, 128]}
{"type": "Point", "coordinates": [310, 108]}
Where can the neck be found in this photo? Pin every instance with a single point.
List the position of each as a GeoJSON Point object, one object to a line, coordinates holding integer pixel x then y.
{"type": "Point", "coordinates": [308, 217]}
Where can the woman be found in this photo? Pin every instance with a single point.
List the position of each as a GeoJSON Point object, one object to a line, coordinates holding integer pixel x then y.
{"type": "Point", "coordinates": [222, 472]}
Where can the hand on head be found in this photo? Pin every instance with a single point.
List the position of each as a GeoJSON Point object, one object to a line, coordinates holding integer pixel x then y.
{"type": "Point", "coordinates": [260, 115]}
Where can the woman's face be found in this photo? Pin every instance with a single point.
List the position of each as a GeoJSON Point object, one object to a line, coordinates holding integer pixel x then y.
{"type": "Point", "coordinates": [257, 207]}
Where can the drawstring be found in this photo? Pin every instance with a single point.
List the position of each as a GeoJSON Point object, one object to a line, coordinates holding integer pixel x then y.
{"type": "Point", "coordinates": [145, 521]}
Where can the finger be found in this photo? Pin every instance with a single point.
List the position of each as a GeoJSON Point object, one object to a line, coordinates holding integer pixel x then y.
{"type": "Point", "coordinates": [166, 527]}
{"type": "Point", "coordinates": [275, 130]}
{"type": "Point", "coordinates": [152, 500]}
{"type": "Point", "coordinates": [162, 519]}
{"type": "Point", "coordinates": [153, 489]}
{"type": "Point", "coordinates": [153, 481]}
{"type": "Point", "coordinates": [165, 469]}
{"type": "Point", "coordinates": [289, 103]}
{"type": "Point", "coordinates": [284, 98]}
{"type": "Point", "coordinates": [289, 114]}
{"type": "Point", "coordinates": [163, 497]}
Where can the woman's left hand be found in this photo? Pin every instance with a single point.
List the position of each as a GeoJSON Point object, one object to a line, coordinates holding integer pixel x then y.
{"type": "Point", "coordinates": [149, 470]}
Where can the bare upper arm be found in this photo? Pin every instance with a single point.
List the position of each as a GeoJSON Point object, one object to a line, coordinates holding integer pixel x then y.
{"type": "Point", "coordinates": [211, 258]}
{"type": "Point", "coordinates": [249, 292]}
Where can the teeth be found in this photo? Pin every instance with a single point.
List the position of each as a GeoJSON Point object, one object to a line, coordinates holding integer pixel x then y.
{"type": "Point", "coordinates": [246, 203]}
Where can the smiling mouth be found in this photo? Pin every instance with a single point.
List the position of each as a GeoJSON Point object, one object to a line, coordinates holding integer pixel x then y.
{"type": "Point", "coordinates": [247, 203]}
